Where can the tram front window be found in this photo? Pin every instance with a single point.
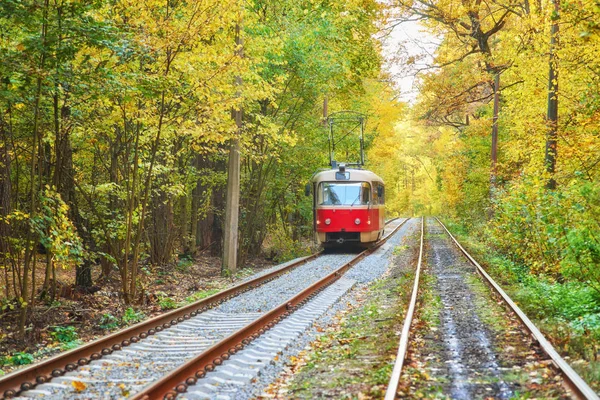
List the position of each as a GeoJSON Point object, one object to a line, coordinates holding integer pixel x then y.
{"type": "Point", "coordinates": [344, 194]}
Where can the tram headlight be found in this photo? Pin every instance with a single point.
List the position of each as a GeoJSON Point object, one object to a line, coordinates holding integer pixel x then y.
{"type": "Point", "coordinates": [327, 221]}
{"type": "Point", "coordinates": [357, 221]}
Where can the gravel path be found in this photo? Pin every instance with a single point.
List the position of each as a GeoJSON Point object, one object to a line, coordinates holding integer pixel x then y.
{"type": "Point", "coordinates": [272, 294]}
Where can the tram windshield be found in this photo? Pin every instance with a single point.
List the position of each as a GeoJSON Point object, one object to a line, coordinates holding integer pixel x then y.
{"type": "Point", "coordinates": [344, 193]}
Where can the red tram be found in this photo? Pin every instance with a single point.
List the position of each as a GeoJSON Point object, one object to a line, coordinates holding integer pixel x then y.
{"type": "Point", "coordinates": [348, 206]}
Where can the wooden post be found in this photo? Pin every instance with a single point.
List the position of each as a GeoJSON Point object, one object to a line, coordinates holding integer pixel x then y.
{"type": "Point", "coordinates": [230, 243]}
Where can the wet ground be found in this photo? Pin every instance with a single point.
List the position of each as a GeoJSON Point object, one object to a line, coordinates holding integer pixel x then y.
{"type": "Point", "coordinates": [465, 344]}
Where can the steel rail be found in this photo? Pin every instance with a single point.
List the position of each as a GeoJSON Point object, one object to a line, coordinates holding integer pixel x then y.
{"type": "Point", "coordinates": [177, 381]}
{"type": "Point", "coordinates": [27, 378]}
{"type": "Point", "coordinates": [572, 378]}
{"type": "Point", "coordinates": [392, 388]}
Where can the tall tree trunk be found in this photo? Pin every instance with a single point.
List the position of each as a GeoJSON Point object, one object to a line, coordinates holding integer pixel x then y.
{"type": "Point", "coordinates": [5, 202]}
{"type": "Point", "coordinates": [162, 230]}
{"type": "Point", "coordinates": [230, 243]}
{"type": "Point", "coordinates": [34, 182]}
{"type": "Point", "coordinates": [218, 199]}
{"type": "Point", "coordinates": [232, 208]}
{"type": "Point", "coordinates": [195, 208]}
{"type": "Point", "coordinates": [183, 220]}
{"type": "Point", "coordinates": [494, 152]}
{"type": "Point", "coordinates": [552, 118]}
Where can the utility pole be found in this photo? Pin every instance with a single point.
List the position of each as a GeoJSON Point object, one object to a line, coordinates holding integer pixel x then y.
{"type": "Point", "coordinates": [230, 245]}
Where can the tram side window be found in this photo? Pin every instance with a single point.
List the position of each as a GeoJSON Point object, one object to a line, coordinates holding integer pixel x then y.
{"type": "Point", "coordinates": [378, 193]}
{"type": "Point", "coordinates": [365, 193]}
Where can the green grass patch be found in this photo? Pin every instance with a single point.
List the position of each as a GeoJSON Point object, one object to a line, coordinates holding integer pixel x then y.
{"type": "Point", "coordinates": [202, 294]}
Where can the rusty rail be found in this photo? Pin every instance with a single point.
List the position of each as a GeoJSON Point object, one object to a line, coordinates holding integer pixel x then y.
{"type": "Point", "coordinates": [392, 388]}
{"type": "Point", "coordinates": [177, 381]}
{"type": "Point", "coordinates": [579, 387]}
{"type": "Point", "coordinates": [42, 372]}
{"type": "Point", "coordinates": [28, 378]}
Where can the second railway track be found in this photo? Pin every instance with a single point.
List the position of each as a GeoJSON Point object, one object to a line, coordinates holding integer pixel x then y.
{"type": "Point", "coordinates": [466, 342]}
{"type": "Point", "coordinates": [129, 368]}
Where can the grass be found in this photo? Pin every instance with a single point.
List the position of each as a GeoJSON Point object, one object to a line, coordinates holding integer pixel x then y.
{"type": "Point", "coordinates": [415, 382]}
{"type": "Point", "coordinates": [484, 306]}
{"type": "Point", "coordinates": [199, 295]}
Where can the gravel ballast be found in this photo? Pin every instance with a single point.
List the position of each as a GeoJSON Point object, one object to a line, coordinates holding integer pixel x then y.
{"type": "Point", "coordinates": [136, 366]}
{"type": "Point", "coordinates": [258, 377]}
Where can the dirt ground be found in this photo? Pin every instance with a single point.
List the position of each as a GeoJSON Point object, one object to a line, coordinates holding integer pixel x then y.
{"type": "Point", "coordinates": [95, 315]}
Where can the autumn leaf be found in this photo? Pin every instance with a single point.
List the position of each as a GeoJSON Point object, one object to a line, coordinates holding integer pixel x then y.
{"type": "Point", "coordinates": [79, 386]}
{"type": "Point", "coordinates": [124, 390]}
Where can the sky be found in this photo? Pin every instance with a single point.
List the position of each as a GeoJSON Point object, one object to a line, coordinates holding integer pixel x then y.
{"type": "Point", "coordinates": [408, 49]}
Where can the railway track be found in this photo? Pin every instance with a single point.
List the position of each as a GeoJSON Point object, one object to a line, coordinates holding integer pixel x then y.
{"type": "Point", "coordinates": [572, 380]}
{"type": "Point", "coordinates": [164, 356]}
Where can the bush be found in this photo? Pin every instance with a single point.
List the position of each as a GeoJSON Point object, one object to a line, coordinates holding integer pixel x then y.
{"type": "Point", "coordinates": [165, 302]}
{"type": "Point", "coordinates": [70, 345]}
{"type": "Point", "coordinates": [281, 247]}
{"type": "Point", "coordinates": [64, 334]}
{"type": "Point", "coordinates": [21, 358]}
{"type": "Point", "coordinates": [131, 316]}
{"type": "Point", "coordinates": [109, 321]}
{"type": "Point", "coordinates": [200, 295]}
{"type": "Point", "coordinates": [184, 263]}
{"type": "Point", "coordinates": [553, 233]}
{"type": "Point", "coordinates": [588, 324]}
{"type": "Point", "coordinates": [543, 299]}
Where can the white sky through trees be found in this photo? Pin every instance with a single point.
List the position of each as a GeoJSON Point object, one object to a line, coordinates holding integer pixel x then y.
{"type": "Point", "coordinates": [408, 50]}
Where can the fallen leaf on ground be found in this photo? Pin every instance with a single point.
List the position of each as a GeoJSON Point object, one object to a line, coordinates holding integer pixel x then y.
{"type": "Point", "coordinates": [79, 386]}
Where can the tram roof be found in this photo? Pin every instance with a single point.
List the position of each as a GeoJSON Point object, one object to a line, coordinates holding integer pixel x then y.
{"type": "Point", "coordinates": [355, 175]}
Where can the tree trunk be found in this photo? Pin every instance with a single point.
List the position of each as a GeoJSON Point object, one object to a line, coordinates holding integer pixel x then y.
{"type": "Point", "coordinates": [5, 188]}
{"type": "Point", "coordinates": [5, 202]}
{"type": "Point", "coordinates": [195, 209]}
{"type": "Point", "coordinates": [494, 152]}
{"type": "Point", "coordinates": [162, 229]}
{"type": "Point", "coordinates": [184, 224]}
{"type": "Point", "coordinates": [232, 208]}
{"type": "Point", "coordinates": [230, 242]}
{"type": "Point", "coordinates": [552, 118]}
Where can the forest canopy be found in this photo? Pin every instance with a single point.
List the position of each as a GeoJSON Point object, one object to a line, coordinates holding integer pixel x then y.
{"type": "Point", "coordinates": [115, 122]}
